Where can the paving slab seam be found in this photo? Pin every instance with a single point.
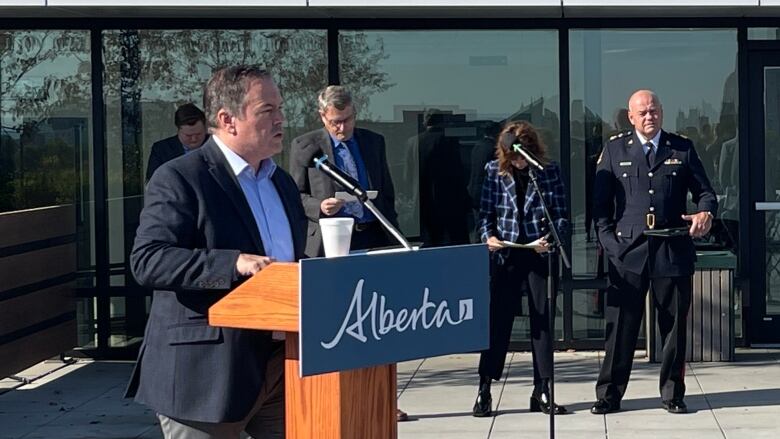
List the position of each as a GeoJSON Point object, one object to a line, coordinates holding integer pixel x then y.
{"type": "Point", "coordinates": [65, 413]}
{"type": "Point", "coordinates": [501, 393]}
{"type": "Point", "coordinates": [25, 381]}
{"type": "Point", "coordinates": [706, 400]}
{"type": "Point", "coordinates": [143, 433]}
{"type": "Point", "coordinates": [603, 417]}
{"type": "Point", "coordinates": [409, 381]}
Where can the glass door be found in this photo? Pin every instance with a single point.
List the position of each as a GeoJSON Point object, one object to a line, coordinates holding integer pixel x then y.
{"type": "Point", "coordinates": [764, 171]}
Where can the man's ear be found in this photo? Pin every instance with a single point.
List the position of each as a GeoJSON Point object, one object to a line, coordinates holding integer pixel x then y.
{"type": "Point", "coordinates": [226, 121]}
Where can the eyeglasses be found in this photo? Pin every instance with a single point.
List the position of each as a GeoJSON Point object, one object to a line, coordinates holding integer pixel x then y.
{"type": "Point", "coordinates": [336, 122]}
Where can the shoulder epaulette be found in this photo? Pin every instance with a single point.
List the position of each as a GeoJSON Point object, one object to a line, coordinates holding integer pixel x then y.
{"type": "Point", "coordinates": [681, 135]}
{"type": "Point", "coordinates": [620, 135]}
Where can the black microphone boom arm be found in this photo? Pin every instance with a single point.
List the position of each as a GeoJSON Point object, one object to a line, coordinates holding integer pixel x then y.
{"type": "Point", "coordinates": [353, 187]}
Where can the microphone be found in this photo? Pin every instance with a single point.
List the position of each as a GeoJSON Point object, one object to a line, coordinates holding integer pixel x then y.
{"type": "Point", "coordinates": [350, 184]}
{"type": "Point", "coordinates": [510, 142]}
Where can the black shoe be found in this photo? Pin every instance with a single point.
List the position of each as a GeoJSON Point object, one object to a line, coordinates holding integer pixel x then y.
{"type": "Point", "coordinates": [602, 407]}
{"type": "Point", "coordinates": [540, 402]}
{"type": "Point", "coordinates": [675, 406]}
{"type": "Point", "coordinates": [483, 405]}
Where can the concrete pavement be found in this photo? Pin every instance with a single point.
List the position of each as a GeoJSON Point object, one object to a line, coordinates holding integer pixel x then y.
{"type": "Point", "coordinates": [727, 400]}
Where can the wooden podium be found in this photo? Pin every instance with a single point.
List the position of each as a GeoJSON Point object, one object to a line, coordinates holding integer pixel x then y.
{"type": "Point", "coordinates": [358, 403]}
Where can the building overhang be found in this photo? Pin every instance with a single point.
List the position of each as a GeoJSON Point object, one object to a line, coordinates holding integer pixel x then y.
{"type": "Point", "coordinates": [390, 9]}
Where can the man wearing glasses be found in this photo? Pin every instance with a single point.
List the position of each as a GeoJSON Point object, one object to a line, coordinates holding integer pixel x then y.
{"type": "Point", "coordinates": [358, 152]}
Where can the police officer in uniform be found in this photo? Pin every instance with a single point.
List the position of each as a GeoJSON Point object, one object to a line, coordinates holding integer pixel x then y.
{"type": "Point", "coordinates": [643, 177]}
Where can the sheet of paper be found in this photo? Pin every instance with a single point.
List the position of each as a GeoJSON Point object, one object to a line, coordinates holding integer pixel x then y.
{"type": "Point", "coordinates": [341, 195]}
{"type": "Point", "coordinates": [516, 245]}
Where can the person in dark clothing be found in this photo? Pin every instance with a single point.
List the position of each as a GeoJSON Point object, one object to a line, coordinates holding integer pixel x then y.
{"type": "Point", "coordinates": [511, 212]}
{"type": "Point", "coordinates": [642, 181]}
{"type": "Point", "coordinates": [191, 133]}
{"type": "Point", "coordinates": [444, 205]}
{"type": "Point", "coordinates": [483, 152]}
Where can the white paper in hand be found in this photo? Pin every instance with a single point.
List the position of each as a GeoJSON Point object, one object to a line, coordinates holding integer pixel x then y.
{"type": "Point", "coordinates": [347, 197]}
{"type": "Point", "coordinates": [533, 244]}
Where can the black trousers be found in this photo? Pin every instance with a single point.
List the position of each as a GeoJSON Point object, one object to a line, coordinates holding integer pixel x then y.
{"type": "Point", "coordinates": [523, 271]}
{"type": "Point", "coordinates": [624, 309]}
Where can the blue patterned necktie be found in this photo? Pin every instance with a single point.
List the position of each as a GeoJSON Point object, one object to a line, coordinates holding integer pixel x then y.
{"type": "Point", "coordinates": [352, 208]}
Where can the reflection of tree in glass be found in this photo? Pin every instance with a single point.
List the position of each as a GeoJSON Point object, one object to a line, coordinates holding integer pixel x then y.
{"type": "Point", "coordinates": [43, 74]}
{"type": "Point", "coordinates": [360, 68]}
{"type": "Point", "coordinates": [174, 65]}
{"type": "Point", "coordinates": [39, 71]}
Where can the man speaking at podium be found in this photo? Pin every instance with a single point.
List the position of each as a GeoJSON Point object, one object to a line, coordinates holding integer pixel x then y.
{"type": "Point", "coordinates": [211, 219]}
{"type": "Point", "coordinates": [642, 182]}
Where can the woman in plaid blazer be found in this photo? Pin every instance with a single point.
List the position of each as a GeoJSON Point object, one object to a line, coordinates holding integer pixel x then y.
{"type": "Point", "coordinates": [511, 211]}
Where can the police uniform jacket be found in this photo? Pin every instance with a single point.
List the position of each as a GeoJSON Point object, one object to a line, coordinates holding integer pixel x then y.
{"type": "Point", "coordinates": [627, 190]}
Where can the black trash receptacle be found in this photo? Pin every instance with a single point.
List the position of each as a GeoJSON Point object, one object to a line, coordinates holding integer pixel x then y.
{"type": "Point", "coordinates": [711, 316]}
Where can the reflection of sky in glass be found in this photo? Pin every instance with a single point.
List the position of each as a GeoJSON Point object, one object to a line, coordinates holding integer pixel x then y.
{"type": "Point", "coordinates": [491, 73]}
{"type": "Point", "coordinates": [687, 68]}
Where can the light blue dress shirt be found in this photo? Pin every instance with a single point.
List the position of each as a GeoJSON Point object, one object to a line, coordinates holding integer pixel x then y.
{"type": "Point", "coordinates": [362, 178]}
{"type": "Point", "coordinates": [654, 141]}
{"type": "Point", "coordinates": [265, 203]}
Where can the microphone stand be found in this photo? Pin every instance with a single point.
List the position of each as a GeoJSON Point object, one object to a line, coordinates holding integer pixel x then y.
{"type": "Point", "coordinates": [385, 223]}
{"type": "Point", "coordinates": [353, 186]}
{"type": "Point", "coordinates": [555, 248]}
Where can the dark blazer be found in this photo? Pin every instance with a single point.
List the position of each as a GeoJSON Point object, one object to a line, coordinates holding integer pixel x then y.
{"type": "Point", "coordinates": [501, 207]}
{"type": "Point", "coordinates": [626, 190]}
{"type": "Point", "coordinates": [163, 151]}
{"type": "Point", "coordinates": [484, 151]}
{"type": "Point", "coordinates": [194, 224]}
{"type": "Point", "coordinates": [314, 186]}
{"type": "Point", "coordinates": [444, 205]}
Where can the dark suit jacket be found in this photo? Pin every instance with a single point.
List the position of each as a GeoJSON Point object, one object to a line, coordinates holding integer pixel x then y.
{"type": "Point", "coordinates": [444, 199]}
{"type": "Point", "coordinates": [194, 224]}
{"type": "Point", "coordinates": [623, 198]}
{"type": "Point", "coordinates": [163, 151]}
{"type": "Point", "coordinates": [315, 186]}
{"type": "Point", "coordinates": [484, 151]}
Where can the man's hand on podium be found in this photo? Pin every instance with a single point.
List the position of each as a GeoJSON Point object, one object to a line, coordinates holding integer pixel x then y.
{"type": "Point", "coordinates": [248, 265]}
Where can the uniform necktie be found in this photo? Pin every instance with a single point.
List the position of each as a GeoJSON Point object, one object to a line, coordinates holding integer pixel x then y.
{"type": "Point", "coordinates": [353, 208]}
{"type": "Point", "coordinates": [650, 154]}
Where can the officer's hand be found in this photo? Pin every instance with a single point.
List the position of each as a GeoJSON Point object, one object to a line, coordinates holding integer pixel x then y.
{"type": "Point", "coordinates": [330, 206]}
{"type": "Point", "coordinates": [700, 223]}
{"type": "Point", "coordinates": [494, 244]}
{"type": "Point", "coordinates": [247, 264]}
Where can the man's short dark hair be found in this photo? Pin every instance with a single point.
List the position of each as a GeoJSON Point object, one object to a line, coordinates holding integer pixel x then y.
{"type": "Point", "coordinates": [227, 89]}
{"type": "Point", "coordinates": [188, 114]}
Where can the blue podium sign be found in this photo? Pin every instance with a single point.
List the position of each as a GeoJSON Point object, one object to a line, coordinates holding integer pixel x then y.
{"type": "Point", "coordinates": [372, 309]}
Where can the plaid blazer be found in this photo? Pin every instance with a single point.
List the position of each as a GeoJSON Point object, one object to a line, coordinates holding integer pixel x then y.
{"type": "Point", "coordinates": [499, 214]}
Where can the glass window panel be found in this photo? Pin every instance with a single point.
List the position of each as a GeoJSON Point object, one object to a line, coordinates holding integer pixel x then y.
{"type": "Point", "coordinates": [764, 33]}
{"type": "Point", "coordinates": [149, 73]}
{"type": "Point", "coordinates": [772, 187]}
{"type": "Point", "coordinates": [450, 88]}
{"type": "Point", "coordinates": [588, 314]}
{"type": "Point", "coordinates": [46, 133]}
{"type": "Point", "coordinates": [607, 66]}
{"type": "Point", "coordinates": [86, 322]}
{"type": "Point", "coordinates": [45, 111]}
